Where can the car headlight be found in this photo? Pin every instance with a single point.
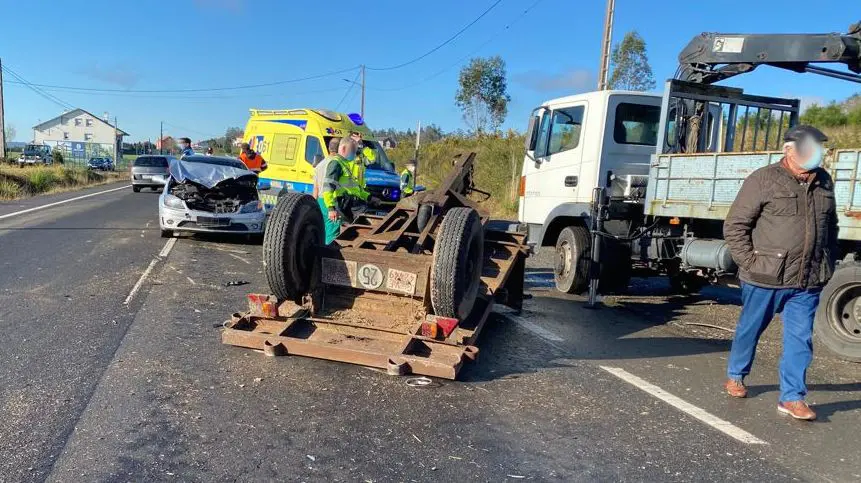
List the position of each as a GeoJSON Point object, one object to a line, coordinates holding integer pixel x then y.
{"type": "Point", "coordinates": [252, 207]}
{"type": "Point", "coordinates": [172, 201]}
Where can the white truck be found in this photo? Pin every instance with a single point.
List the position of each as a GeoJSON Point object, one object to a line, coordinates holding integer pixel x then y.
{"type": "Point", "coordinates": [648, 179]}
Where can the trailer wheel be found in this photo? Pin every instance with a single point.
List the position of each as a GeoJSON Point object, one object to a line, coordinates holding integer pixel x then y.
{"type": "Point", "coordinates": [838, 318]}
{"type": "Point", "coordinates": [458, 257]}
{"type": "Point", "coordinates": [573, 252]}
{"type": "Point", "coordinates": [294, 230]}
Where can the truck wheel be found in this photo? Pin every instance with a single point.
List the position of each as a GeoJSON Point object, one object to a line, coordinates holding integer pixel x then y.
{"type": "Point", "coordinates": [838, 318]}
{"type": "Point", "coordinates": [573, 257]}
{"type": "Point", "coordinates": [293, 232]}
{"type": "Point", "coordinates": [136, 189]}
{"type": "Point", "coordinates": [458, 257]}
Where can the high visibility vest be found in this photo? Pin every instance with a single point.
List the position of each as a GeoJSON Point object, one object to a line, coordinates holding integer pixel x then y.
{"type": "Point", "coordinates": [408, 182]}
{"type": "Point", "coordinates": [255, 164]}
{"type": "Point", "coordinates": [347, 184]}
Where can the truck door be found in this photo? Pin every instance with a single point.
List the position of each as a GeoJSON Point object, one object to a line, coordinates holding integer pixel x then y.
{"type": "Point", "coordinates": [553, 177]}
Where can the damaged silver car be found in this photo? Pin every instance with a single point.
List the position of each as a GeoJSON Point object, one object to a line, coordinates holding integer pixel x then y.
{"type": "Point", "coordinates": [210, 194]}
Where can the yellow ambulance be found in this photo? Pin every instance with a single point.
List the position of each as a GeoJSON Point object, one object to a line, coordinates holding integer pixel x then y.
{"type": "Point", "coordinates": [292, 141]}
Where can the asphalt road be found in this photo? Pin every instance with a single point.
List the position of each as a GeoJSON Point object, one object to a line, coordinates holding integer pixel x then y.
{"type": "Point", "coordinates": [93, 389]}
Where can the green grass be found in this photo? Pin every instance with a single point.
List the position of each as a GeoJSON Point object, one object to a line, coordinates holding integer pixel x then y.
{"type": "Point", "coordinates": [499, 159]}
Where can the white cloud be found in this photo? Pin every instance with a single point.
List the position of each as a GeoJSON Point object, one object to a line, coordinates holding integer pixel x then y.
{"type": "Point", "coordinates": [573, 80]}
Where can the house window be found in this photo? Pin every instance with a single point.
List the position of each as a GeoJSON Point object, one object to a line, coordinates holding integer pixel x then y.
{"type": "Point", "coordinates": [88, 137]}
{"type": "Point", "coordinates": [65, 135]}
{"type": "Point", "coordinates": [77, 121]}
{"type": "Point", "coordinates": [89, 122]}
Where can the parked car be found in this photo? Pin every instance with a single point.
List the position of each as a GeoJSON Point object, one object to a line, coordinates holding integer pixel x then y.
{"type": "Point", "coordinates": [145, 168]}
{"type": "Point", "coordinates": [210, 194]}
{"type": "Point", "coordinates": [36, 154]}
{"type": "Point", "coordinates": [101, 164]}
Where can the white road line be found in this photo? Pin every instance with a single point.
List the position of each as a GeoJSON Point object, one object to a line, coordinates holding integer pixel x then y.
{"type": "Point", "coordinates": [535, 328]}
{"type": "Point", "coordinates": [36, 208]}
{"type": "Point", "coordinates": [165, 251]}
{"type": "Point", "coordinates": [167, 248]}
{"type": "Point", "coordinates": [140, 281]}
{"type": "Point", "coordinates": [723, 426]}
{"type": "Point", "coordinates": [239, 258]}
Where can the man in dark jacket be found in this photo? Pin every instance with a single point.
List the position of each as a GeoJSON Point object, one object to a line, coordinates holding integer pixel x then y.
{"type": "Point", "coordinates": [782, 232]}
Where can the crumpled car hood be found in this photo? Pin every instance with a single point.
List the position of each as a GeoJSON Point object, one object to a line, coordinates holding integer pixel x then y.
{"type": "Point", "coordinates": [207, 175]}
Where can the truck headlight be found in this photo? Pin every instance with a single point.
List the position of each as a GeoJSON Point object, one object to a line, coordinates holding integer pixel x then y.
{"type": "Point", "coordinates": [252, 207]}
{"type": "Point", "coordinates": [172, 201]}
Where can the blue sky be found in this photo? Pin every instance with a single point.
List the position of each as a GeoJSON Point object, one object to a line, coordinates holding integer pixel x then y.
{"type": "Point", "coordinates": [186, 44]}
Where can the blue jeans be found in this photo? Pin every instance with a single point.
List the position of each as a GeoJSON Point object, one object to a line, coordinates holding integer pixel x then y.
{"type": "Point", "coordinates": [758, 308]}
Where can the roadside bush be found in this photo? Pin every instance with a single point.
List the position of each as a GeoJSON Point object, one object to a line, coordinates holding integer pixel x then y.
{"type": "Point", "coordinates": [9, 190]}
{"type": "Point", "coordinates": [58, 157]}
{"type": "Point", "coordinates": [42, 179]}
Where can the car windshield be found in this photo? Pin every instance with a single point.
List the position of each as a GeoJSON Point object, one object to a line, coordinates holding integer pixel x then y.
{"type": "Point", "coordinates": [382, 161]}
{"type": "Point", "coordinates": [151, 162]}
{"type": "Point", "coordinates": [33, 149]}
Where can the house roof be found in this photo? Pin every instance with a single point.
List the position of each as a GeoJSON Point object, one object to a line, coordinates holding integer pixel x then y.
{"type": "Point", "coordinates": [74, 113]}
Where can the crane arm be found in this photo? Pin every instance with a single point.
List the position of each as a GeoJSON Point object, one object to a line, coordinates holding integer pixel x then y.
{"type": "Point", "coordinates": [712, 57]}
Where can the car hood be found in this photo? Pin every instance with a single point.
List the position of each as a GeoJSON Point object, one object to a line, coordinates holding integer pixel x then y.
{"type": "Point", "coordinates": [379, 177]}
{"type": "Point", "coordinates": [207, 175]}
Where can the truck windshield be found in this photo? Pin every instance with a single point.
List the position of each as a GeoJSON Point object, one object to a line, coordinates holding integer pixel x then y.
{"type": "Point", "coordinates": [381, 161]}
{"type": "Point", "coordinates": [34, 149]}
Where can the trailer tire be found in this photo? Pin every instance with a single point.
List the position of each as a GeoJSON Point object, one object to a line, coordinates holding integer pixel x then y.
{"type": "Point", "coordinates": [293, 232]}
{"type": "Point", "coordinates": [573, 257]}
{"type": "Point", "coordinates": [838, 317]}
{"type": "Point", "coordinates": [458, 258]}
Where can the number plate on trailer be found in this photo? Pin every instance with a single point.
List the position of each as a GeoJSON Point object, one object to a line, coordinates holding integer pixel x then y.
{"type": "Point", "coordinates": [210, 221]}
{"type": "Point", "coordinates": [369, 276]}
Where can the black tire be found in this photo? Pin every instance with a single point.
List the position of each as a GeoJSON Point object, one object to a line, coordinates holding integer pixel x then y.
{"type": "Point", "coordinates": [167, 233]}
{"type": "Point", "coordinates": [293, 232]}
{"type": "Point", "coordinates": [458, 258]}
{"type": "Point", "coordinates": [838, 317]}
{"type": "Point", "coordinates": [136, 189]}
{"type": "Point", "coordinates": [616, 267]}
{"type": "Point", "coordinates": [573, 258]}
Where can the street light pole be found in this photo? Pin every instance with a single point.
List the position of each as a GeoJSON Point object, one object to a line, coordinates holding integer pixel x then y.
{"type": "Point", "coordinates": [161, 138]}
{"type": "Point", "coordinates": [363, 91]}
{"type": "Point", "coordinates": [604, 69]}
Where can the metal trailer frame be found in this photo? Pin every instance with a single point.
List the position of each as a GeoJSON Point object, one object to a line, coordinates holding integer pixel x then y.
{"type": "Point", "coordinates": [377, 275]}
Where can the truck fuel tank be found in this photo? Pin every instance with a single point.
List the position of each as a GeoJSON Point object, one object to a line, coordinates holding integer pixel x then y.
{"type": "Point", "coordinates": [707, 253]}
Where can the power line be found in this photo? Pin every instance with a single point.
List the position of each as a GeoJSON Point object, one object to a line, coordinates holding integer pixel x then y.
{"type": "Point", "coordinates": [199, 133]}
{"type": "Point", "coordinates": [348, 91]}
{"type": "Point", "coordinates": [181, 97]}
{"type": "Point", "coordinates": [429, 52]}
{"type": "Point", "coordinates": [31, 86]}
{"type": "Point", "coordinates": [470, 54]}
{"type": "Point", "coordinates": [207, 89]}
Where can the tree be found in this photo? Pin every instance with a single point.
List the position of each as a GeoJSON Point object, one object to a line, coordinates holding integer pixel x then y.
{"type": "Point", "coordinates": [482, 95]}
{"type": "Point", "coordinates": [630, 64]}
{"type": "Point", "coordinates": [829, 116]}
{"type": "Point", "coordinates": [231, 134]}
{"type": "Point", "coordinates": [10, 132]}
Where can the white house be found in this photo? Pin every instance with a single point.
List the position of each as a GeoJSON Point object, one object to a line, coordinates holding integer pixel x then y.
{"type": "Point", "coordinates": [80, 135]}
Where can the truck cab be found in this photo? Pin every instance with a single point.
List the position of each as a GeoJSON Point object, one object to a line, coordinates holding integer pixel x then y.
{"type": "Point", "coordinates": [34, 154]}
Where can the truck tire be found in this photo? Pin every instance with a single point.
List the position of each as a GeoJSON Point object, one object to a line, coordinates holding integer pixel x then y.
{"type": "Point", "coordinates": [838, 317]}
{"type": "Point", "coordinates": [573, 258]}
{"type": "Point", "coordinates": [458, 259]}
{"type": "Point", "coordinates": [136, 189]}
{"type": "Point", "coordinates": [293, 232]}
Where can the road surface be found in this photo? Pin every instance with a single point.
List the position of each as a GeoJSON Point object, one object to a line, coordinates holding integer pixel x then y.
{"type": "Point", "coordinates": [113, 370]}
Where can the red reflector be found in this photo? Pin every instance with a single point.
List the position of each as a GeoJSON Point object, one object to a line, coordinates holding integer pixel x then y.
{"type": "Point", "coordinates": [522, 190]}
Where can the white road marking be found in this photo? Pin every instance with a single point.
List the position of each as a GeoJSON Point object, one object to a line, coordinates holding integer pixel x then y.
{"type": "Point", "coordinates": [167, 248]}
{"type": "Point", "coordinates": [239, 258]}
{"type": "Point", "coordinates": [36, 208]}
{"type": "Point", "coordinates": [725, 427]}
{"type": "Point", "coordinates": [535, 328]}
{"type": "Point", "coordinates": [140, 281]}
{"type": "Point", "coordinates": [165, 251]}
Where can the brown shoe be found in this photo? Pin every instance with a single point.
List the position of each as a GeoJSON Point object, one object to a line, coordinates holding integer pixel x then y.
{"type": "Point", "coordinates": [796, 409]}
{"type": "Point", "coordinates": [735, 388]}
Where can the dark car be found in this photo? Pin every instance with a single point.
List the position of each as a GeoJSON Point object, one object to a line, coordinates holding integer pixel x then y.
{"type": "Point", "coordinates": [149, 171]}
{"type": "Point", "coordinates": [102, 164]}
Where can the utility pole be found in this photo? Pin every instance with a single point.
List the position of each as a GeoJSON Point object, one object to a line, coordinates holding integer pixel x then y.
{"type": "Point", "coordinates": [161, 138]}
{"type": "Point", "coordinates": [2, 117]}
{"type": "Point", "coordinates": [363, 91]}
{"type": "Point", "coordinates": [604, 69]}
{"type": "Point", "coordinates": [118, 146]}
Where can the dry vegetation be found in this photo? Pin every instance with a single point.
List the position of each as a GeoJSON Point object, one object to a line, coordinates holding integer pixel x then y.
{"type": "Point", "coordinates": [18, 182]}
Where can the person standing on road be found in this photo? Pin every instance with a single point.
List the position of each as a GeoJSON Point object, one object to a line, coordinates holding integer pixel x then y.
{"type": "Point", "coordinates": [253, 160]}
{"type": "Point", "coordinates": [320, 169]}
{"type": "Point", "coordinates": [408, 179]}
{"type": "Point", "coordinates": [782, 232]}
{"type": "Point", "coordinates": [341, 190]}
{"type": "Point", "coordinates": [185, 148]}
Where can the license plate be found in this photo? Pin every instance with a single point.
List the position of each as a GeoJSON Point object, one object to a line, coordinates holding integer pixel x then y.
{"type": "Point", "coordinates": [210, 221]}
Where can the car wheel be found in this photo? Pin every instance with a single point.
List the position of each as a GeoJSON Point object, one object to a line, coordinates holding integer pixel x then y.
{"type": "Point", "coordinates": [136, 189]}
{"type": "Point", "coordinates": [167, 233]}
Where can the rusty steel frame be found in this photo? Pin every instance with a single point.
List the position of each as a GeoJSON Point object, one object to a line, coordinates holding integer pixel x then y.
{"type": "Point", "coordinates": [399, 246]}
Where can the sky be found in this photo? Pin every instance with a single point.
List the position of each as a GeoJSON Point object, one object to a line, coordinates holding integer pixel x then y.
{"type": "Point", "coordinates": [550, 51]}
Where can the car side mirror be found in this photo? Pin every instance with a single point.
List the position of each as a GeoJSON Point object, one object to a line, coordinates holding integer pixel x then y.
{"type": "Point", "coordinates": [532, 133]}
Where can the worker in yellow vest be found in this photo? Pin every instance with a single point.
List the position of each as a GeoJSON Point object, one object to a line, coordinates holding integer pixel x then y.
{"type": "Point", "coordinates": [408, 179]}
{"type": "Point", "coordinates": [342, 190]}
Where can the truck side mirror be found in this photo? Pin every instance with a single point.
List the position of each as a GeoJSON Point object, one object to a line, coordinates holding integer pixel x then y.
{"type": "Point", "coordinates": [532, 133]}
